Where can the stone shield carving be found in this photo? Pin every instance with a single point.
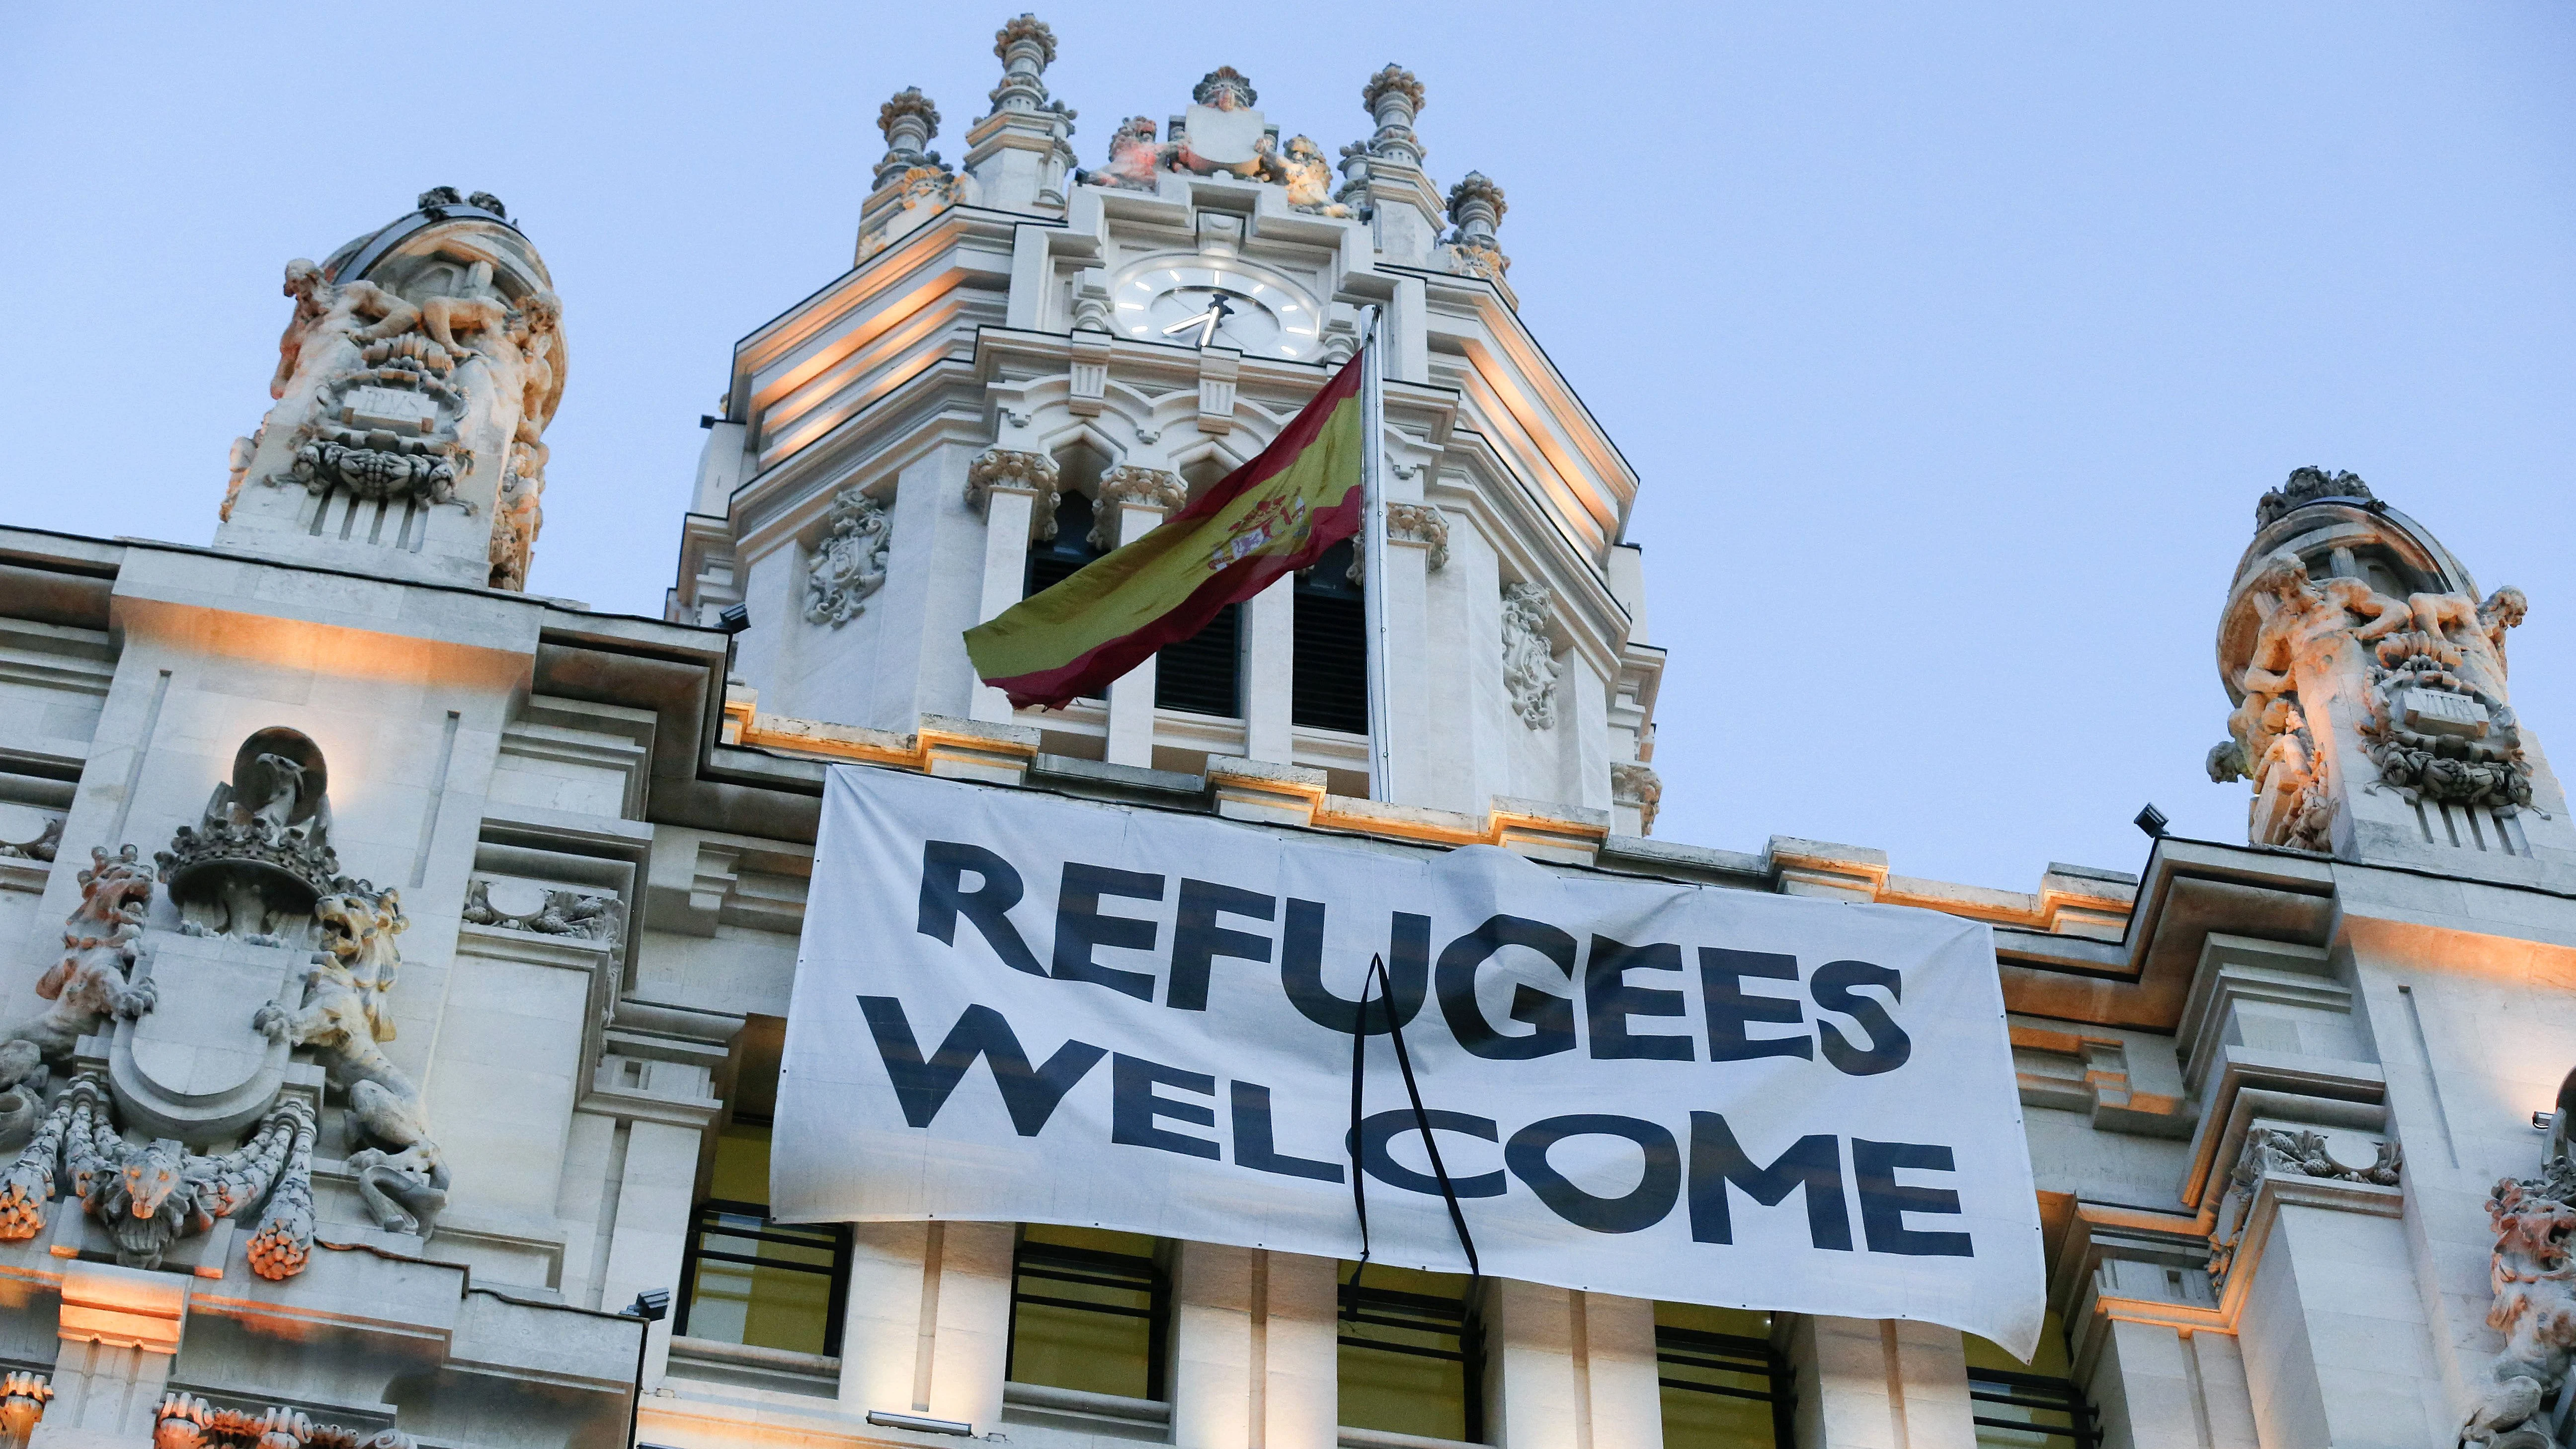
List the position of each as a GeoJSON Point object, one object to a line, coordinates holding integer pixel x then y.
{"type": "Point", "coordinates": [194, 1067]}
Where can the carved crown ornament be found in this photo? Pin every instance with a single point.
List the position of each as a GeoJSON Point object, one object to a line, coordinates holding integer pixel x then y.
{"type": "Point", "coordinates": [268, 965]}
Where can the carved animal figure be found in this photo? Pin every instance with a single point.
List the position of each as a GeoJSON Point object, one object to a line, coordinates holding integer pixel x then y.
{"type": "Point", "coordinates": [1310, 179]}
{"type": "Point", "coordinates": [404, 1187]}
{"type": "Point", "coordinates": [280, 783]}
{"type": "Point", "coordinates": [1133, 157]}
{"type": "Point", "coordinates": [88, 987]}
{"type": "Point", "coordinates": [2534, 1308]}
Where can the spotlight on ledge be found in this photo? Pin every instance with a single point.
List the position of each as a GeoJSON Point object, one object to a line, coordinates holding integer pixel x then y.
{"type": "Point", "coordinates": [652, 1305]}
{"type": "Point", "coordinates": [887, 1420]}
{"type": "Point", "coordinates": [2152, 821]}
{"type": "Point", "coordinates": [2543, 1121]}
{"type": "Point", "coordinates": [735, 618]}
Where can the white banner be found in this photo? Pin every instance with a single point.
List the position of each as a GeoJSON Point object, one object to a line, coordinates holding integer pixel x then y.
{"type": "Point", "coordinates": [1017, 1007]}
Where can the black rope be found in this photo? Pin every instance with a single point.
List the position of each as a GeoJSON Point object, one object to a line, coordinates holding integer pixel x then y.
{"type": "Point", "coordinates": [1369, 991]}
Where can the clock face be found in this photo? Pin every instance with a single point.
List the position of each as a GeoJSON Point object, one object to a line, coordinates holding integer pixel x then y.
{"type": "Point", "coordinates": [1265, 315]}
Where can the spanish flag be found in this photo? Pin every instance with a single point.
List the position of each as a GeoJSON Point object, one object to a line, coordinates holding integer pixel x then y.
{"type": "Point", "coordinates": [1272, 516]}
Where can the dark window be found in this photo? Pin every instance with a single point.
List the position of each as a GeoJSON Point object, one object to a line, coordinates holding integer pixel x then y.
{"type": "Point", "coordinates": [1724, 1387]}
{"type": "Point", "coordinates": [749, 1280]}
{"type": "Point", "coordinates": [2032, 1405]}
{"type": "Point", "coordinates": [1053, 560]}
{"type": "Point", "coordinates": [1412, 1355]}
{"type": "Point", "coordinates": [1329, 690]}
{"type": "Point", "coordinates": [1090, 1310]}
{"type": "Point", "coordinates": [1202, 674]}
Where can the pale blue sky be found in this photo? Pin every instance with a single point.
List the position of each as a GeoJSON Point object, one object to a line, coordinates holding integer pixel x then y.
{"type": "Point", "coordinates": [1953, 342]}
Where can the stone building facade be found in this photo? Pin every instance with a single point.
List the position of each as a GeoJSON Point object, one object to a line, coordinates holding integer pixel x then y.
{"type": "Point", "coordinates": [397, 957]}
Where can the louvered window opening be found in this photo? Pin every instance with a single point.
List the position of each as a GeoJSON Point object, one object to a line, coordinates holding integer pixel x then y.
{"type": "Point", "coordinates": [2029, 1411]}
{"type": "Point", "coordinates": [1202, 674]}
{"type": "Point", "coordinates": [1330, 687]}
{"type": "Point", "coordinates": [1741, 1392]}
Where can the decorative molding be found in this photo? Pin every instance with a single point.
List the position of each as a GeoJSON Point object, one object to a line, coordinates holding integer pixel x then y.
{"type": "Point", "coordinates": [1530, 666]}
{"type": "Point", "coordinates": [1476, 208]}
{"type": "Point", "coordinates": [1145, 487]}
{"type": "Point", "coordinates": [2274, 1151]}
{"type": "Point", "coordinates": [1035, 474]}
{"type": "Point", "coordinates": [849, 565]}
{"type": "Point", "coordinates": [510, 904]}
{"type": "Point", "coordinates": [1636, 785]}
{"type": "Point", "coordinates": [1423, 524]}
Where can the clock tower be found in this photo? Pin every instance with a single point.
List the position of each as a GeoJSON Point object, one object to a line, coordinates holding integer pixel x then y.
{"type": "Point", "coordinates": [1041, 352]}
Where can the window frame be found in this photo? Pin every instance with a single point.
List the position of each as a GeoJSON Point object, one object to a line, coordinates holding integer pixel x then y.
{"type": "Point", "coordinates": [2035, 1391]}
{"type": "Point", "coordinates": [1145, 1273]}
{"type": "Point", "coordinates": [834, 1236]}
{"type": "Point", "coordinates": [1732, 1353]}
{"type": "Point", "coordinates": [1352, 1299]}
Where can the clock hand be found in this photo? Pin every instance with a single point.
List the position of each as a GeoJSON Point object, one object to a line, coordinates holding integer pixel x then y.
{"type": "Point", "coordinates": [1218, 310]}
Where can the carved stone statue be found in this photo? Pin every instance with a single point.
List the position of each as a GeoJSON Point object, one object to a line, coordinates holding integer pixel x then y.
{"type": "Point", "coordinates": [849, 563]}
{"type": "Point", "coordinates": [1222, 134]}
{"type": "Point", "coordinates": [89, 986]}
{"type": "Point", "coordinates": [2534, 1280]}
{"type": "Point", "coordinates": [341, 1017]}
{"type": "Point", "coordinates": [1134, 157]}
{"type": "Point", "coordinates": [253, 865]}
{"type": "Point", "coordinates": [1530, 667]}
{"type": "Point", "coordinates": [1310, 179]}
{"type": "Point", "coordinates": [411, 362]}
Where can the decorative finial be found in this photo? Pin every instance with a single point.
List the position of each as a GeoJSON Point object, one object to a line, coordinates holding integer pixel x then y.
{"type": "Point", "coordinates": [1226, 89]}
{"type": "Point", "coordinates": [1476, 207]}
{"type": "Point", "coordinates": [908, 121]}
{"type": "Point", "coordinates": [2307, 485]}
{"type": "Point", "coordinates": [1395, 80]}
{"type": "Point", "coordinates": [1394, 98]}
{"type": "Point", "coordinates": [440, 196]}
{"type": "Point", "coordinates": [1024, 29]}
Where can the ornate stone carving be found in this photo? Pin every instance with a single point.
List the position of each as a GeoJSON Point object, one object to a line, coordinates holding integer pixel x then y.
{"type": "Point", "coordinates": [2533, 1275]}
{"type": "Point", "coordinates": [523, 906]}
{"type": "Point", "coordinates": [1310, 179]}
{"type": "Point", "coordinates": [1025, 47]}
{"type": "Point", "coordinates": [1394, 98]}
{"type": "Point", "coordinates": [2307, 485]}
{"type": "Point", "coordinates": [23, 1397]}
{"type": "Point", "coordinates": [340, 1015]}
{"type": "Point", "coordinates": [419, 367]}
{"type": "Point", "coordinates": [254, 864]}
{"type": "Point", "coordinates": [1011, 468]}
{"type": "Point", "coordinates": [1637, 785]}
{"type": "Point", "coordinates": [237, 461]}
{"type": "Point", "coordinates": [90, 987]}
{"type": "Point", "coordinates": [908, 121]}
{"type": "Point", "coordinates": [1124, 484]}
{"type": "Point", "coordinates": [1530, 667]}
{"type": "Point", "coordinates": [1476, 207]}
{"type": "Point", "coordinates": [1134, 158]}
{"type": "Point", "coordinates": [849, 564]}
{"type": "Point", "coordinates": [184, 1421]}
{"type": "Point", "coordinates": [1423, 524]}
{"type": "Point", "coordinates": [40, 847]}
{"type": "Point", "coordinates": [2439, 726]}
{"type": "Point", "coordinates": [2272, 1149]}
{"type": "Point", "coordinates": [1222, 133]}
{"type": "Point", "coordinates": [2305, 626]}
{"type": "Point", "coordinates": [148, 1196]}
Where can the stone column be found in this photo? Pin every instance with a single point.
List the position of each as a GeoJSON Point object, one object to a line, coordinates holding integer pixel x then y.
{"type": "Point", "coordinates": [2332, 1328]}
{"type": "Point", "coordinates": [1568, 1367]}
{"type": "Point", "coordinates": [1254, 1358]}
{"type": "Point", "coordinates": [120, 1330]}
{"type": "Point", "coordinates": [928, 1329]}
{"type": "Point", "coordinates": [1880, 1385]}
{"type": "Point", "coordinates": [1016, 493]}
{"type": "Point", "coordinates": [1269, 673]}
{"type": "Point", "coordinates": [1417, 539]}
{"type": "Point", "coordinates": [1133, 501]}
{"type": "Point", "coordinates": [654, 1196]}
{"type": "Point", "coordinates": [2160, 1388]}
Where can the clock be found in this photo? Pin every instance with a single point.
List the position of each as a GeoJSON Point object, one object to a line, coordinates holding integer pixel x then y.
{"type": "Point", "coordinates": [1198, 301]}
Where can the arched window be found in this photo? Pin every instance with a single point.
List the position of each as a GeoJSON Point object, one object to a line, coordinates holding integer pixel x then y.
{"type": "Point", "coordinates": [1201, 674]}
{"type": "Point", "coordinates": [1330, 687]}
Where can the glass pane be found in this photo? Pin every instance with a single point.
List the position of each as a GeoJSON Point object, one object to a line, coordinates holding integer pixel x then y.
{"type": "Point", "coordinates": [1082, 1313]}
{"type": "Point", "coordinates": [1403, 1370]}
{"type": "Point", "coordinates": [1715, 1369]}
{"type": "Point", "coordinates": [741, 1171]}
{"type": "Point", "coordinates": [756, 1282]}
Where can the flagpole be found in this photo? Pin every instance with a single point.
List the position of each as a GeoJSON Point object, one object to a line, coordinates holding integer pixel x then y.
{"type": "Point", "coordinates": [1373, 569]}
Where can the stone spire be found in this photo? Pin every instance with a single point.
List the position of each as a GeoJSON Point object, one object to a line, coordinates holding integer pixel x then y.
{"type": "Point", "coordinates": [414, 383]}
{"type": "Point", "coordinates": [2372, 713]}
{"type": "Point", "coordinates": [1476, 207]}
{"type": "Point", "coordinates": [1385, 173]}
{"type": "Point", "coordinates": [908, 121]}
{"type": "Point", "coordinates": [1020, 152]}
{"type": "Point", "coordinates": [911, 184]}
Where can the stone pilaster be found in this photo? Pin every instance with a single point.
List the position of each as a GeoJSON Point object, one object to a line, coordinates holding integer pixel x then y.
{"type": "Point", "coordinates": [1407, 208]}
{"type": "Point", "coordinates": [1254, 1357]}
{"type": "Point", "coordinates": [1880, 1385]}
{"type": "Point", "coordinates": [1016, 493]}
{"type": "Point", "coordinates": [928, 1326]}
{"type": "Point", "coordinates": [1134, 501]}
